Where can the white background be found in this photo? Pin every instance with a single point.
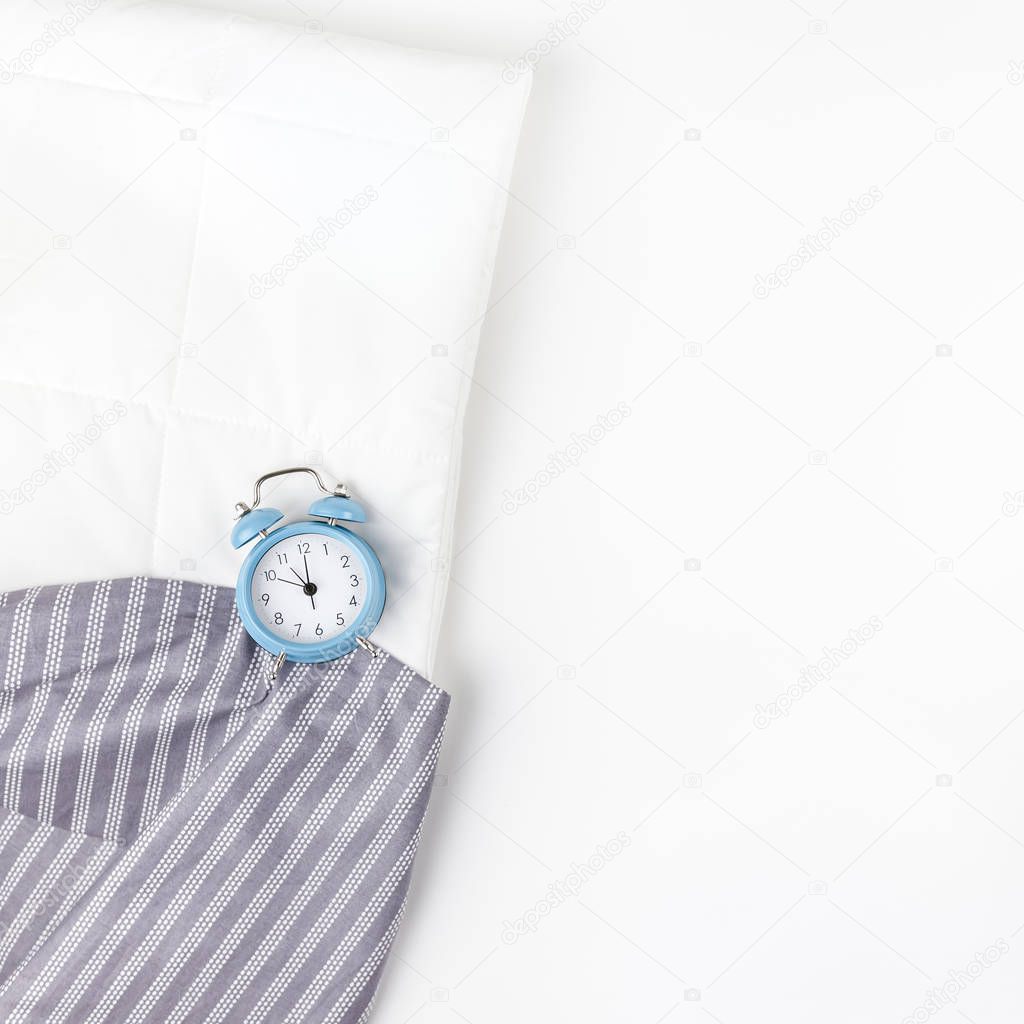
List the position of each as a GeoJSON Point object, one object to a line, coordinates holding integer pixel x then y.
{"type": "Point", "coordinates": [791, 466]}
{"type": "Point", "coordinates": [649, 728]}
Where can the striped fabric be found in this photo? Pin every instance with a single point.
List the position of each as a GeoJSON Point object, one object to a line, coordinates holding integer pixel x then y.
{"type": "Point", "coordinates": [176, 843]}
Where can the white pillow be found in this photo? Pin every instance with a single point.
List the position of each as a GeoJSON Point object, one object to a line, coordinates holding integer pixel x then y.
{"type": "Point", "coordinates": [169, 325]}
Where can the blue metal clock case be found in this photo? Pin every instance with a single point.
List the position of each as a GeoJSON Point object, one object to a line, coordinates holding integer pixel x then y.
{"type": "Point", "coordinates": [365, 622]}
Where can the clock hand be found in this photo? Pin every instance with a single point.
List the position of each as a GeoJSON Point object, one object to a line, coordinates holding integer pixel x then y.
{"type": "Point", "coordinates": [310, 588]}
{"type": "Point", "coordinates": [302, 582]}
{"type": "Point", "coordinates": [281, 579]}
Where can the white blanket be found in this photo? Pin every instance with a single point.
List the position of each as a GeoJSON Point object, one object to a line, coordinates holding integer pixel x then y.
{"type": "Point", "coordinates": [229, 246]}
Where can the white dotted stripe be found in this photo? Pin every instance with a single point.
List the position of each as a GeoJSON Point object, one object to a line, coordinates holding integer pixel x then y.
{"type": "Point", "coordinates": [44, 887]}
{"type": "Point", "coordinates": [107, 889]}
{"type": "Point", "coordinates": [342, 895]}
{"type": "Point", "coordinates": [149, 888]}
{"type": "Point", "coordinates": [192, 830]}
{"type": "Point", "coordinates": [313, 990]}
{"type": "Point", "coordinates": [95, 867]}
{"type": "Point", "coordinates": [208, 702]}
{"type": "Point", "coordinates": [213, 963]}
{"type": "Point", "coordinates": [365, 975]}
{"type": "Point", "coordinates": [244, 697]}
{"type": "Point", "coordinates": [118, 676]}
{"type": "Point", "coordinates": [9, 829]}
{"type": "Point", "coordinates": [187, 890]}
{"type": "Point", "coordinates": [16, 872]}
{"type": "Point", "coordinates": [16, 654]}
{"type": "Point", "coordinates": [40, 696]}
{"type": "Point", "coordinates": [112, 830]}
{"type": "Point", "coordinates": [69, 706]}
{"type": "Point", "coordinates": [323, 871]}
{"type": "Point", "coordinates": [169, 714]}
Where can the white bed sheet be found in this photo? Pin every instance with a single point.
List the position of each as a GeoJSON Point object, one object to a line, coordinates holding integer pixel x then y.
{"type": "Point", "coordinates": [179, 312]}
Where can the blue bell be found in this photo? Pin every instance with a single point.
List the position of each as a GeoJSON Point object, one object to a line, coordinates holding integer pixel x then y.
{"type": "Point", "coordinates": [342, 509]}
{"type": "Point", "coordinates": [252, 524]}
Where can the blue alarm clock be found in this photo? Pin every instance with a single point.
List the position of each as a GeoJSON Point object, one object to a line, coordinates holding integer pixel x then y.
{"type": "Point", "coordinates": [310, 590]}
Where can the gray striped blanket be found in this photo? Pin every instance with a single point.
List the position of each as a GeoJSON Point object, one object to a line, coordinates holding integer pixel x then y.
{"type": "Point", "coordinates": [178, 843]}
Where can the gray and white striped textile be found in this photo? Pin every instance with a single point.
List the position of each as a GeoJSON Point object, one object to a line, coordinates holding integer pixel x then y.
{"type": "Point", "coordinates": [178, 845]}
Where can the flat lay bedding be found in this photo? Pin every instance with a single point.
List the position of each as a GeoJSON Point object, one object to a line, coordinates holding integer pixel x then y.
{"type": "Point", "coordinates": [180, 842]}
{"type": "Point", "coordinates": [229, 245]}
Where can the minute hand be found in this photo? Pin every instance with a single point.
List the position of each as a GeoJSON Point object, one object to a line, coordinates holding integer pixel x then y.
{"type": "Point", "coordinates": [311, 588]}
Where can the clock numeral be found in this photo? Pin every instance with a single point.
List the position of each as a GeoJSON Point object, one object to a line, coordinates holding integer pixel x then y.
{"type": "Point", "coordinates": [308, 632]}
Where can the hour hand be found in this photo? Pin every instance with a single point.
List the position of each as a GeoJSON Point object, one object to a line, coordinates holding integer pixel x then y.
{"type": "Point", "coordinates": [307, 587]}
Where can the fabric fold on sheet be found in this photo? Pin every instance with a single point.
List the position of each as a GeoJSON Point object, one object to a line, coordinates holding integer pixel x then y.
{"type": "Point", "coordinates": [179, 842]}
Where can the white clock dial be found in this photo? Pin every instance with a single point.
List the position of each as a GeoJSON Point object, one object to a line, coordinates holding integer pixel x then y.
{"type": "Point", "coordinates": [309, 588]}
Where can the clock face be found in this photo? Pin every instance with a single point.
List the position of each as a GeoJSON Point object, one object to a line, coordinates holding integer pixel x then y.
{"type": "Point", "coordinates": [309, 588]}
